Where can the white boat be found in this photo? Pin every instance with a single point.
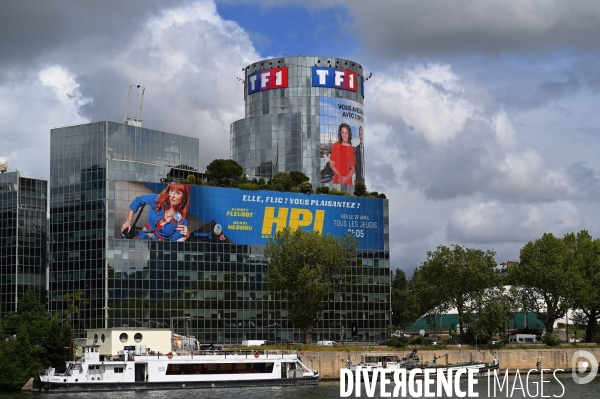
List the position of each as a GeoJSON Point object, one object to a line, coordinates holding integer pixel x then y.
{"type": "Point", "coordinates": [389, 362]}
{"type": "Point", "coordinates": [198, 369]}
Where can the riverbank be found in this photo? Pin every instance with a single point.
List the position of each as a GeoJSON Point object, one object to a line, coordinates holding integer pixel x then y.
{"type": "Point", "coordinates": [329, 363]}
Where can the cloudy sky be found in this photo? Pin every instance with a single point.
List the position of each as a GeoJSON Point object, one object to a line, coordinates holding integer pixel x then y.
{"type": "Point", "coordinates": [482, 115]}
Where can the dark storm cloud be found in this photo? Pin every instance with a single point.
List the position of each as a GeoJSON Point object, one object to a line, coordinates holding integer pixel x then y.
{"type": "Point", "coordinates": [30, 29]}
{"type": "Point", "coordinates": [413, 27]}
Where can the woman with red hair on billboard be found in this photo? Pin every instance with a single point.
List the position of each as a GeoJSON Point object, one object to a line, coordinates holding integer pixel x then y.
{"type": "Point", "coordinates": [166, 217]}
{"type": "Point", "coordinates": [342, 160]}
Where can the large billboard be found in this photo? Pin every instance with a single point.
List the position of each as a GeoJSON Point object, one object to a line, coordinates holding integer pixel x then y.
{"type": "Point", "coordinates": [342, 148]}
{"type": "Point", "coordinates": [162, 212]}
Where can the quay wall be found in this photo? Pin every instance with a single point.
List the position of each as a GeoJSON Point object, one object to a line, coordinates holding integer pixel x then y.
{"type": "Point", "coordinates": [329, 363]}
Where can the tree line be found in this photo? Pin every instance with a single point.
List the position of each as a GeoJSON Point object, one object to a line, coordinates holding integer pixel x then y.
{"type": "Point", "coordinates": [229, 173]}
{"type": "Point", "coordinates": [33, 340]}
{"type": "Point", "coordinates": [553, 275]}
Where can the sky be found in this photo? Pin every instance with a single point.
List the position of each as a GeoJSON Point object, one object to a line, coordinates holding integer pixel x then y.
{"type": "Point", "coordinates": [481, 117]}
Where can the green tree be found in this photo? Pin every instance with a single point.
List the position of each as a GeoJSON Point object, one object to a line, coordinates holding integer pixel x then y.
{"type": "Point", "coordinates": [545, 277]}
{"type": "Point", "coordinates": [74, 302]}
{"type": "Point", "coordinates": [360, 189]}
{"type": "Point", "coordinates": [298, 178]}
{"type": "Point", "coordinates": [282, 182]}
{"type": "Point", "coordinates": [495, 309]}
{"type": "Point", "coordinates": [307, 267]}
{"type": "Point", "coordinates": [17, 365]}
{"type": "Point", "coordinates": [405, 307]}
{"type": "Point", "coordinates": [454, 278]}
{"type": "Point", "coordinates": [306, 188]}
{"type": "Point", "coordinates": [224, 171]}
{"type": "Point", "coordinates": [585, 294]}
{"type": "Point", "coordinates": [322, 190]}
{"type": "Point", "coordinates": [192, 179]}
{"type": "Point", "coordinates": [37, 340]}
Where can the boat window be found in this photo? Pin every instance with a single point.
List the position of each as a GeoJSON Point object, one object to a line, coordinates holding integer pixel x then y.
{"type": "Point", "coordinates": [219, 368]}
{"type": "Point", "coordinates": [102, 338]}
{"type": "Point", "coordinates": [118, 369]}
{"type": "Point", "coordinates": [123, 337]}
{"type": "Point", "coordinates": [137, 337]}
{"type": "Point", "coordinates": [95, 338]}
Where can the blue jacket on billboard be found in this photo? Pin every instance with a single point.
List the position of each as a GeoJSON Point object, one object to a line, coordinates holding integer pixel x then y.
{"type": "Point", "coordinates": [156, 228]}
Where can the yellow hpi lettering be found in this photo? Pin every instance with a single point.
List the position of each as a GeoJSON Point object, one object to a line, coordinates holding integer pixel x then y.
{"type": "Point", "coordinates": [319, 218]}
{"type": "Point", "coordinates": [300, 217]}
{"type": "Point", "coordinates": [280, 221]}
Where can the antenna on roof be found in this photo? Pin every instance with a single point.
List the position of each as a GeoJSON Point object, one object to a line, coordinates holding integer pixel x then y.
{"type": "Point", "coordinates": [137, 121]}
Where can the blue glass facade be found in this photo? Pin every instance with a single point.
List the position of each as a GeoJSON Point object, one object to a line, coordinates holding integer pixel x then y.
{"type": "Point", "coordinates": [291, 122]}
{"type": "Point", "coordinates": [23, 232]}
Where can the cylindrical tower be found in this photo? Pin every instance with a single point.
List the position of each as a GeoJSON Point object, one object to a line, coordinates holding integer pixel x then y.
{"type": "Point", "coordinates": [302, 114]}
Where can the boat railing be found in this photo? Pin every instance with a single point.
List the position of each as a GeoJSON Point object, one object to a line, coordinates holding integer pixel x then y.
{"type": "Point", "coordinates": [249, 353]}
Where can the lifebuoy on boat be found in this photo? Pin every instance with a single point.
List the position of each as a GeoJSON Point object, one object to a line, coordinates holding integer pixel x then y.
{"type": "Point", "coordinates": [256, 354]}
{"type": "Point", "coordinates": [170, 355]}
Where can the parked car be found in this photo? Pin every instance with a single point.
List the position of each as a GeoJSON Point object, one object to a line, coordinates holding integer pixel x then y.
{"type": "Point", "coordinates": [495, 343]}
{"type": "Point", "coordinates": [437, 343]}
{"type": "Point", "coordinates": [384, 342]}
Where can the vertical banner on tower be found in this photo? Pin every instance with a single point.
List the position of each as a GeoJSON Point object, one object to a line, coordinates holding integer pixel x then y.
{"type": "Point", "coordinates": [342, 141]}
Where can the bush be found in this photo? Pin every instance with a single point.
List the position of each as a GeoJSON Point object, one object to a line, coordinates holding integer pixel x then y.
{"type": "Point", "coordinates": [322, 190]}
{"type": "Point", "coordinates": [295, 190]}
{"type": "Point", "coordinates": [282, 182]}
{"type": "Point", "coordinates": [360, 189]}
{"type": "Point", "coordinates": [305, 187]}
{"type": "Point", "coordinates": [264, 186]}
{"type": "Point", "coordinates": [248, 186]}
{"type": "Point", "coordinates": [551, 339]}
{"type": "Point", "coordinates": [261, 181]}
{"type": "Point", "coordinates": [398, 342]}
{"type": "Point", "coordinates": [337, 192]}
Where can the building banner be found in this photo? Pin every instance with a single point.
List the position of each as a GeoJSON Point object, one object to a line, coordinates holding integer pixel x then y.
{"type": "Point", "coordinates": [342, 141]}
{"type": "Point", "coordinates": [175, 212]}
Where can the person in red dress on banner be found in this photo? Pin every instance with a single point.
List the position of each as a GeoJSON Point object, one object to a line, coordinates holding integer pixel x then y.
{"type": "Point", "coordinates": [342, 160]}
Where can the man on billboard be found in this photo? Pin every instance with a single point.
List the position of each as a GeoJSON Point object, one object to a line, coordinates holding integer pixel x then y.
{"type": "Point", "coordinates": [360, 157]}
{"type": "Point", "coordinates": [342, 160]}
{"type": "Point", "coordinates": [166, 217]}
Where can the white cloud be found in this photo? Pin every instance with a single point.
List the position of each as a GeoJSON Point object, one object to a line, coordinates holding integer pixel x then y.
{"type": "Point", "coordinates": [428, 98]}
{"type": "Point", "coordinates": [66, 90]}
{"type": "Point", "coordinates": [189, 58]}
{"type": "Point", "coordinates": [491, 222]}
{"type": "Point", "coordinates": [32, 106]}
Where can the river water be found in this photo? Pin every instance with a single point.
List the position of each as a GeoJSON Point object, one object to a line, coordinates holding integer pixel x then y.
{"type": "Point", "coordinates": [326, 389]}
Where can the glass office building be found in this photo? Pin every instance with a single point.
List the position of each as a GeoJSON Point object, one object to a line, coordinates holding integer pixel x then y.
{"type": "Point", "coordinates": [209, 283]}
{"type": "Point", "coordinates": [23, 234]}
{"type": "Point", "coordinates": [294, 109]}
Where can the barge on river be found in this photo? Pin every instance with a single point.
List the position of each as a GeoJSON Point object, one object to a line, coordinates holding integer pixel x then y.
{"type": "Point", "coordinates": [196, 369]}
{"type": "Point", "coordinates": [371, 363]}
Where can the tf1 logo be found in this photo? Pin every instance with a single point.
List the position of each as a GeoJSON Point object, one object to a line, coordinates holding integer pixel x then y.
{"type": "Point", "coordinates": [275, 78]}
{"type": "Point", "coordinates": [334, 77]}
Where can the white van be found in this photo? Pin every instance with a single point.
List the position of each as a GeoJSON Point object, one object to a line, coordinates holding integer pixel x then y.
{"type": "Point", "coordinates": [522, 339]}
{"type": "Point", "coordinates": [326, 343]}
{"type": "Point", "coordinates": [254, 342]}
